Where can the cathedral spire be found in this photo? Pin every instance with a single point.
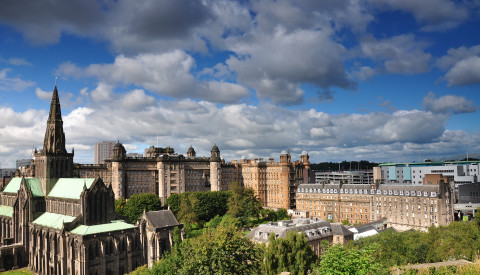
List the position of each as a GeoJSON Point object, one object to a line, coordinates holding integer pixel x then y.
{"type": "Point", "coordinates": [54, 142]}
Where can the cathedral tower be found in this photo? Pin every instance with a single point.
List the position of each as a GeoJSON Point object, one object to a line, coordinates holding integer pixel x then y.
{"type": "Point", "coordinates": [53, 162]}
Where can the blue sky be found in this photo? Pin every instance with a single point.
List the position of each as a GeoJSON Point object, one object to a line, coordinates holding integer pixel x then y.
{"type": "Point", "coordinates": [394, 80]}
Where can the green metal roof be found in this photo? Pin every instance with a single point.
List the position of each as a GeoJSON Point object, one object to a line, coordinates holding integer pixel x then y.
{"type": "Point", "coordinates": [101, 228]}
{"type": "Point", "coordinates": [70, 188]}
{"type": "Point", "coordinates": [6, 211]}
{"type": "Point", "coordinates": [33, 184]}
{"type": "Point", "coordinates": [53, 220]}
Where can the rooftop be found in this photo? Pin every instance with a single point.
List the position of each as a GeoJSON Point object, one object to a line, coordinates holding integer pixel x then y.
{"type": "Point", "coordinates": [70, 188]}
{"type": "Point", "coordinates": [102, 228]}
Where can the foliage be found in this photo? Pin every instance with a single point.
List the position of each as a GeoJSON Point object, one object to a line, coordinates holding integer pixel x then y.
{"type": "Point", "coordinates": [458, 240]}
{"type": "Point", "coordinates": [268, 214]}
{"type": "Point", "coordinates": [174, 202]}
{"type": "Point", "coordinates": [141, 270]}
{"type": "Point", "coordinates": [341, 260]}
{"type": "Point", "coordinates": [120, 207]}
{"type": "Point", "coordinates": [214, 222]}
{"type": "Point", "coordinates": [185, 213]}
{"type": "Point", "coordinates": [292, 254]}
{"type": "Point", "coordinates": [231, 221]}
{"type": "Point", "coordinates": [221, 251]}
{"type": "Point", "coordinates": [282, 214]}
{"type": "Point", "coordinates": [242, 202]}
{"type": "Point", "coordinates": [203, 205]}
{"type": "Point", "coordinates": [137, 203]}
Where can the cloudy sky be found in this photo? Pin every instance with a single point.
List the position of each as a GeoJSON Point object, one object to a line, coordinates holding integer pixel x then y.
{"type": "Point", "coordinates": [382, 80]}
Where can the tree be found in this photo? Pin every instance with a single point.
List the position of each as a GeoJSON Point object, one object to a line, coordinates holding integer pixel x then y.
{"type": "Point", "coordinates": [292, 254]}
{"type": "Point", "coordinates": [120, 206]}
{"type": "Point", "coordinates": [221, 251]}
{"type": "Point", "coordinates": [138, 203]}
{"type": "Point", "coordinates": [340, 260]}
{"type": "Point", "coordinates": [476, 218]}
{"type": "Point", "coordinates": [242, 202]}
{"type": "Point", "coordinates": [282, 214]}
{"type": "Point", "coordinates": [186, 212]}
{"type": "Point", "coordinates": [174, 202]}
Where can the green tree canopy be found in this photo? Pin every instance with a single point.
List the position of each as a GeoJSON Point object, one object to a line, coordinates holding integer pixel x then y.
{"type": "Point", "coordinates": [340, 260]}
{"type": "Point", "coordinates": [221, 251]}
{"type": "Point", "coordinates": [137, 203]}
{"type": "Point", "coordinates": [292, 254]}
{"type": "Point", "coordinates": [242, 202]}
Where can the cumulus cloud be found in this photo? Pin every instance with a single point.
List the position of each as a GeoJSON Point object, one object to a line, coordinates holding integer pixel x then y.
{"type": "Point", "coordinates": [167, 74]}
{"type": "Point", "coordinates": [399, 54]}
{"type": "Point", "coordinates": [462, 66]}
{"type": "Point", "coordinates": [448, 104]}
{"type": "Point", "coordinates": [437, 15]}
{"type": "Point", "coordinates": [43, 94]}
{"type": "Point", "coordinates": [13, 83]}
{"type": "Point", "coordinates": [43, 23]}
{"type": "Point", "coordinates": [15, 61]}
{"type": "Point", "coordinates": [277, 63]}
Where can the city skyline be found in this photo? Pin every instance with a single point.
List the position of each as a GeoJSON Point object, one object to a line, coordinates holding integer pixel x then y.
{"type": "Point", "coordinates": [378, 80]}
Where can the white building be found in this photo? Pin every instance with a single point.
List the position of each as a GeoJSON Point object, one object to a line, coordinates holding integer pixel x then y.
{"type": "Point", "coordinates": [103, 151]}
{"type": "Point", "coordinates": [460, 172]}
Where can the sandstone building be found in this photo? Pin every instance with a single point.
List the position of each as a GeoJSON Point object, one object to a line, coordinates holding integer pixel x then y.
{"type": "Point", "coordinates": [404, 206]}
{"type": "Point", "coordinates": [57, 224]}
{"type": "Point", "coordinates": [163, 172]}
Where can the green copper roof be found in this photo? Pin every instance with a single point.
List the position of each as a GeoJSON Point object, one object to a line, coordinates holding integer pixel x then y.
{"type": "Point", "coordinates": [70, 188]}
{"type": "Point", "coordinates": [53, 220]}
{"type": "Point", "coordinates": [6, 211]}
{"type": "Point", "coordinates": [101, 228]}
{"type": "Point", "coordinates": [32, 183]}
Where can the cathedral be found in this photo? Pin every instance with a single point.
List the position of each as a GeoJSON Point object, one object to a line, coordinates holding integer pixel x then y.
{"type": "Point", "coordinates": [56, 224]}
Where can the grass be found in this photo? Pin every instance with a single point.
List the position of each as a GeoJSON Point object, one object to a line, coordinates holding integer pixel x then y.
{"type": "Point", "coordinates": [22, 271]}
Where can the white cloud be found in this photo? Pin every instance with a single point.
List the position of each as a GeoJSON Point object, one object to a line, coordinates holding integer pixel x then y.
{"type": "Point", "coordinates": [448, 104]}
{"type": "Point", "coordinates": [13, 83]}
{"type": "Point", "coordinates": [43, 95]}
{"type": "Point", "coordinates": [464, 72]}
{"type": "Point", "coordinates": [167, 74]}
{"type": "Point", "coordinates": [276, 64]}
{"type": "Point", "coordinates": [400, 54]}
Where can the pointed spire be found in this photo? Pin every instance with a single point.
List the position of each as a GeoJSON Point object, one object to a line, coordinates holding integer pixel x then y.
{"type": "Point", "coordinates": [54, 141]}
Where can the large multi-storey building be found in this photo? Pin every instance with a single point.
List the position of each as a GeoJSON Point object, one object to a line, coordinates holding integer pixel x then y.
{"type": "Point", "coordinates": [57, 224]}
{"type": "Point", "coordinates": [405, 206]}
{"type": "Point", "coordinates": [460, 172]}
{"type": "Point", "coordinates": [351, 177]}
{"type": "Point", "coordinates": [103, 151]}
{"type": "Point", "coordinates": [163, 172]}
{"type": "Point", "coordinates": [275, 183]}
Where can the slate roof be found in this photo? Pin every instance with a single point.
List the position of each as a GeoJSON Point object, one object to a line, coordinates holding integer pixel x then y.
{"type": "Point", "coordinates": [33, 185]}
{"type": "Point", "coordinates": [102, 228]}
{"type": "Point", "coordinates": [338, 229]}
{"type": "Point", "coordinates": [6, 211]}
{"type": "Point", "coordinates": [70, 188]}
{"type": "Point", "coordinates": [53, 220]}
{"type": "Point", "coordinates": [313, 229]}
{"type": "Point", "coordinates": [162, 218]}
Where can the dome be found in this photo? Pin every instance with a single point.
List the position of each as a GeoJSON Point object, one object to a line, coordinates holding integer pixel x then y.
{"type": "Point", "coordinates": [215, 148]}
